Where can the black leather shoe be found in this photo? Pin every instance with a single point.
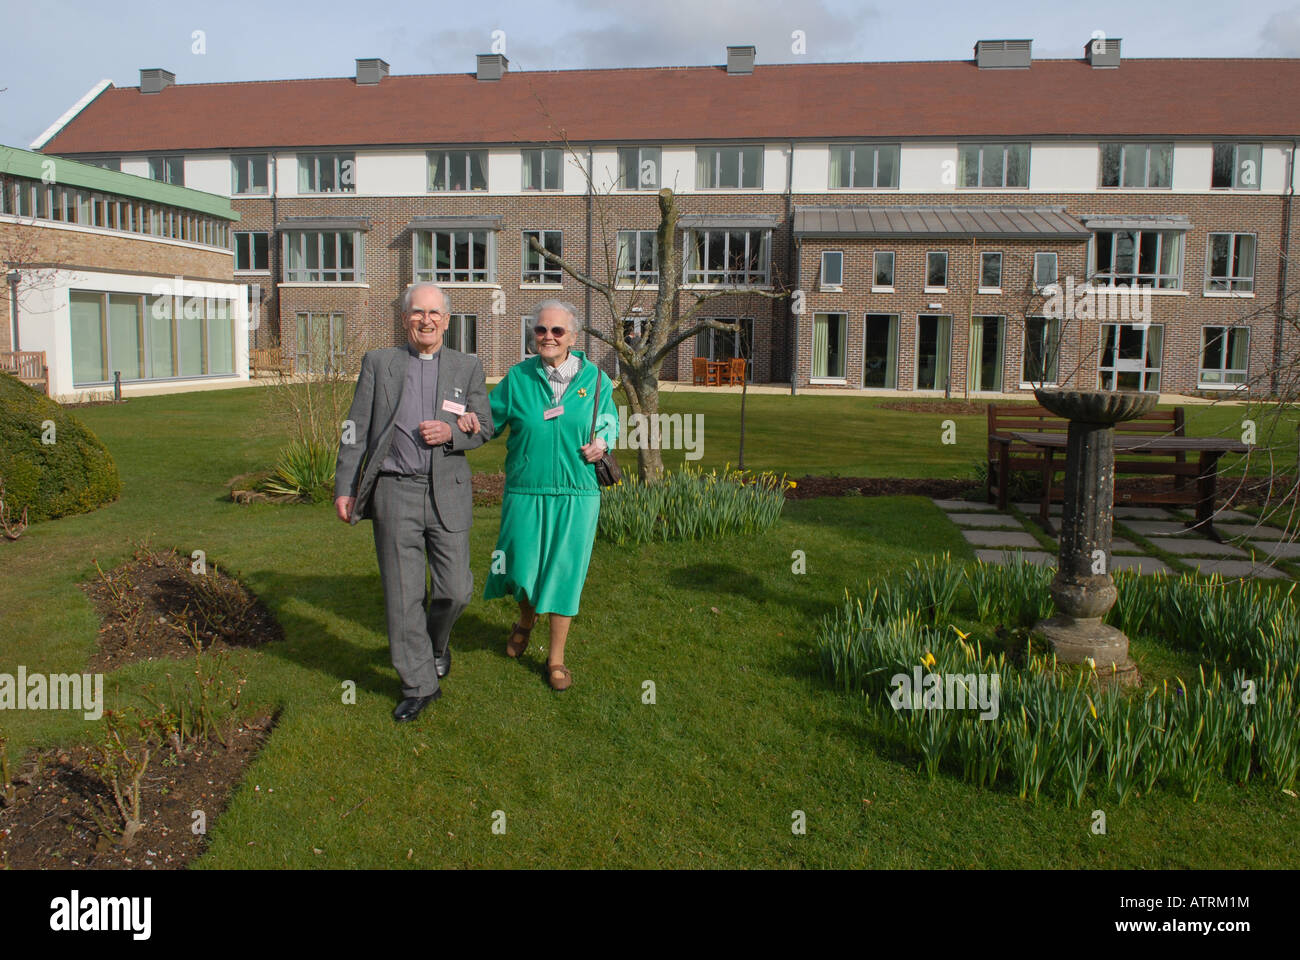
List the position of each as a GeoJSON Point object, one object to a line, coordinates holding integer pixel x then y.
{"type": "Point", "coordinates": [410, 708]}
{"type": "Point", "coordinates": [443, 664]}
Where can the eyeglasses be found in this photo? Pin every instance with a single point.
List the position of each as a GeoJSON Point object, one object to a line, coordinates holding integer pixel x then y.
{"type": "Point", "coordinates": [422, 314]}
{"type": "Point", "coordinates": [556, 332]}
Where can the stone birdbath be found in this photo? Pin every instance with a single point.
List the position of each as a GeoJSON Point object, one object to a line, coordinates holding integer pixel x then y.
{"type": "Point", "coordinates": [1083, 589]}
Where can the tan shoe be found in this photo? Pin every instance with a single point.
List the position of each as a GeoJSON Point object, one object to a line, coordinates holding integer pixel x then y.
{"type": "Point", "coordinates": [515, 648]}
{"type": "Point", "coordinates": [565, 680]}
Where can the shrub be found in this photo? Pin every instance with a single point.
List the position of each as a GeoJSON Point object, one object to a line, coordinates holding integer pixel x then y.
{"type": "Point", "coordinates": [74, 474]}
{"type": "Point", "coordinates": [690, 505]}
{"type": "Point", "coordinates": [305, 469]}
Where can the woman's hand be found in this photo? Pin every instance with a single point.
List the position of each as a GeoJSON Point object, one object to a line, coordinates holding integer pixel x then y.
{"type": "Point", "coordinates": [591, 452]}
{"type": "Point", "coordinates": [468, 423]}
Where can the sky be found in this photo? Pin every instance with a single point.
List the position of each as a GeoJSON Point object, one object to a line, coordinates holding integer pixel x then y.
{"type": "Point", "coordinates": [53, 51]}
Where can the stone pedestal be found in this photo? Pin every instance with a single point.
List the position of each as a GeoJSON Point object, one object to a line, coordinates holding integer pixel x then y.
{"type": "Point", "coordinates": [1083, 589]}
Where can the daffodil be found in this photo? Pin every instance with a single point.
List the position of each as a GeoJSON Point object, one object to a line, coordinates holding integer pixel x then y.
{"type": "Point", "coordinates": [1091, 706]}
{"type": "Point", "coordinates": [958, 632]}
{"type": "Point", "coordinates": [928, 659]}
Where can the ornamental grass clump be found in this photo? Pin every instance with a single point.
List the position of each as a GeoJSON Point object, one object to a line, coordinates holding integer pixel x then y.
{"type": "Point", "coordinates": [691, 505]}
{"type": "Point", "coordinates": [1055, 730]}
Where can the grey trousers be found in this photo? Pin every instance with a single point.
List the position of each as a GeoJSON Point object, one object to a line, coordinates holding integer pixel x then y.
{"type": "Point", "coordinates": [410, 538]}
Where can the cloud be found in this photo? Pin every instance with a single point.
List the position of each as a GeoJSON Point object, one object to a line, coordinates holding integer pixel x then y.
{"type": "Point", "coordinates": [1280, 36]}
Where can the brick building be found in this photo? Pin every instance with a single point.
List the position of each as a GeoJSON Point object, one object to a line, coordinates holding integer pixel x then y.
{"type": "Point", "coordinates": [879, 226]}
{"type": "Point", "coordinates": [115, 277]}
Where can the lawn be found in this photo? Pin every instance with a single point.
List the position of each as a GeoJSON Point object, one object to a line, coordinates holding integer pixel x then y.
{"type": "Point", "coordinates": [743, 731]}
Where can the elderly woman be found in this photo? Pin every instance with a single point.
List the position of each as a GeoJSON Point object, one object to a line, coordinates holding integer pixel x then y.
{"type": "Point", "coordinates": [552, 500]}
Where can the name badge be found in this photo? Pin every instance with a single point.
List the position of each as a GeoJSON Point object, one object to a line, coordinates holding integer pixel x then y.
{"type": "Point", "coordinates": [554, 412]}
{"type": "Point", "coordinates": [452, 407]}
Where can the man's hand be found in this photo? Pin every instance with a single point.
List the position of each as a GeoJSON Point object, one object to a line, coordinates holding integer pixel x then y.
{"type": "Point", "coordinates": [435, 432]}
{"type": "Point", "coordinates": [343, 507]}
{"type": "Point", "coordinates": [591, 452]}
{"type": "Point", "coordinates": [468, 423]}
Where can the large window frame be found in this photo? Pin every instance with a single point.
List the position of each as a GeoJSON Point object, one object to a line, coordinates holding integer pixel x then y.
{"type": "Point", "coordinates": [1225, 357]}
{"type": "Point", "coordinates": [718, 345]}
{"type": "Point", "coordinates": [453, 167]}
{"type": "Point", "coordinates": [990, 279]}
{"type": "Point", "coordinates": [1136, 165]}
{"type": "Point", "coordinates": [548, 176]}
{"type": "Point", "coordinates": [863, 166]}
{"type": "Point", "coordinates": [1118, 338]}
{"type": "Point", "coordinates": [831, 274]}
{"type": "Point", "coordinates": [253, 249]}
{"type": "Point", "coordinates": [746, 257]}
{"type": "Point", "coordinates": [638, 257]}
{"type": "Point", "coordinates": [536, 269]}
{"type": "Point", "coordinates": [249, 174]}
{"type": "Point", "coordinates": [1230, 170]}
{"type": "Point", "coordinates": [889, 367]}
{"type": "Point", "coordinates": [633, 160]}
{"type": "Point", "coordinates": [470, 256]}
{"type": "Point", "coordinates": [168, 169]}
{"type": "Point", "coordinates": [992, 166]}
{"type": "Point", "coordinates": [1237, 253]}
{"type": "Point", "coordinates": [327, 172]}
{"type": "Point", "coordinates": [833, 345]}
{"type": "Point", "coordinates": [714, 167]}
{"type": "Point", "coordinates": [1040, 361]}
{"type": "Point", "coordinates": [323, 256]}
{"type": "Point", "coordinates": [931, 271]}
{"type": "Point", "coordinates": [462, 332]}
{"type": "Point", "coordinates": [1162, 249]}
{"type": "Point", "coordinates": [877, 271]}
{"type": "Point", "coordinates": [940, 376]}
{"type": "Point", "coordinates": [331, 331]}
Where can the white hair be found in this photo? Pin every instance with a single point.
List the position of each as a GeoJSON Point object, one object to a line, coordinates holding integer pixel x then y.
{"type": "Point", "coordinates": [410, 294]}
{"type": "Point", "coordinates": [575, 322]}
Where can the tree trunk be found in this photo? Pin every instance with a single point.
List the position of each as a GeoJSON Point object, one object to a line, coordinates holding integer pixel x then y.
{"type": "Point", "coordinates": [643, 398]}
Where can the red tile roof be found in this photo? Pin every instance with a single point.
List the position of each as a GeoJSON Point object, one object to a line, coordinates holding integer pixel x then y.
{"type": "Point", "coordinates": [1174, 97]}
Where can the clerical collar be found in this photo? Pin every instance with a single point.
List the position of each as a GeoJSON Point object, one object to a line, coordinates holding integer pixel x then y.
{"type": "Point", "coordinates": [422, 356]}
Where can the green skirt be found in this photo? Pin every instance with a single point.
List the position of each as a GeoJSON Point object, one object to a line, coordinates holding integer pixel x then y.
{"type": "Point", "coordinates": [544, 550]}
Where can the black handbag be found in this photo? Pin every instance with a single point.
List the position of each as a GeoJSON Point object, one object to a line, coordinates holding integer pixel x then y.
{"type": "Point", "coordinates": [607, 471]}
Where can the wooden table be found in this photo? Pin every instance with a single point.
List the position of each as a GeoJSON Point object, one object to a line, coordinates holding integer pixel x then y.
{"type": "Point", "coordinates": [1209, 448]}
{"type": "Point", "coordinates": [716, 369]}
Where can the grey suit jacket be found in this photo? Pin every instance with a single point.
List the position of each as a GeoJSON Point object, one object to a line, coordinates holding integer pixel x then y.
{"type": "Point", "coordinates": [373, 417]}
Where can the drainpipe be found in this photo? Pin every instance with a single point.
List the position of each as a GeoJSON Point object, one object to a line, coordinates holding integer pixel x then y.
{"type": "Point", "coordinates": [791, 322]}
{"type": "Point", "coordinates": [273, 251]}
{"type": "Point", "coordinates": [1279, 326]}
{"type": "Point", "coordinates": [13, 277]}
{"type": "Point", "coordinates": [586, 290]}
{"type": "Point", "coordinates": [794, 355]}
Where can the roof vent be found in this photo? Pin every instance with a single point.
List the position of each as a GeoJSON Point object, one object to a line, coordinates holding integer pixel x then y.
{"type": "Point", "coordinates": [740, 60]}
{"type": "Point", "coordinates": [1002, 54]}
{"type": "Point", "coordinates": [371, 71]}
{"type": "Point", "coordinates": [156, 79]}
{"type": "Point", "coordinates": [492, 66]}
{"type": "Point", "coordinates": [1102, 52]}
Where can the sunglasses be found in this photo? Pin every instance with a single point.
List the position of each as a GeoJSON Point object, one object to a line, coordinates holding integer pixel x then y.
{"type": "Point", "coordinates": [556, 332]}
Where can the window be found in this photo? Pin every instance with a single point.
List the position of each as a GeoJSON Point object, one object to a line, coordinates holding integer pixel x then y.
{"type": "Point", "coordinates": [832, 277]}
{"type": "Point", "coordinates": [993, 164]}
{"type": "Point", "coordinates": [1042, 350]}
{"type": "Point", "coordinates": [167, 169]}
{"type": "Point", "coordinates": [322, 256]}
{"type": "Point", "coordinates": [149, 338]}
{"type": "Point", "coordinates": [527, 346]}
{"type": "Point", "coordinates": [727, 256]}
{"type": "Point", "coordinates": [1137, 164]}
{"type": "Point", "coordinates": [936, 271]}
{"type": "Point", "coordinates": [320, 345]}
{"type": "Point", "coordinates": [718, 168]}
{"type": "Point", "coordinates": [1225, 352]}
{"type": "Point", "coordinates": [1236, 166]}
{"type": "Point", "coordinates": [252, 251]}
{"type": "Point", "coordinates": [542, 169]}
{"type": "Point", "coordinates": [106, 163]}
{"type": "Point", "coordinates": [638, 168]}
{"type": "Point", "coordinates": [1231, 265]}
{"type": "Point", "coordinates": [882, 271]}
{"type": "Point", "coordinates": [720, 344]}
{"type": "Point", "coordinates": [990, 272]}
{"type": "Point", "coordinates": [859, 166]}
{"type": "Point", "coordinates": [452, 170]}
{"type": "Point", "coordinates": [1045, 274]}
{"type": "Point", "coordinates": [248, 173]}
{"type": "Point", "coordinates": [1139, 258]}
{"type": "Point", "coordinates": [327, 173]}
{"type": "Point", "coordinates": [986, 352]}
{"type": "Point", "coordinates": [1130, 356]}
{"type": "Point", "coordinates": [537, 269]}
{"type": "Point", "coordinates": [462, 332]}
{"type": "Point", "coordinates": [638, 257]}
{"type": "Point", "coordinates": [880, 351]}
{"type": "Point", "coordinates": [933, 342]}
{"type": "Point", "coordinates": [829, 334]}
{"type": "Point", "coordinates": [454, 256]}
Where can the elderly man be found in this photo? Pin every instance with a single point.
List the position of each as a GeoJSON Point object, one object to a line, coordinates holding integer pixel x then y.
{"type": "Point", "coordinates": [402, 464]}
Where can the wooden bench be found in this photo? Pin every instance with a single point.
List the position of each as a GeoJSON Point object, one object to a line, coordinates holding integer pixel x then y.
{"type": "Point", "coordinates": [1006, 454]}
{"type": "Point", "coordinates": [267, 360]}
{"type": "Point", "coordinates": [28, 366]}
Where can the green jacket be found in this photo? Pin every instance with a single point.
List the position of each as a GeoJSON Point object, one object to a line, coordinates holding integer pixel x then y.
{"type": "Point", "coordinates": [542, 456]}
